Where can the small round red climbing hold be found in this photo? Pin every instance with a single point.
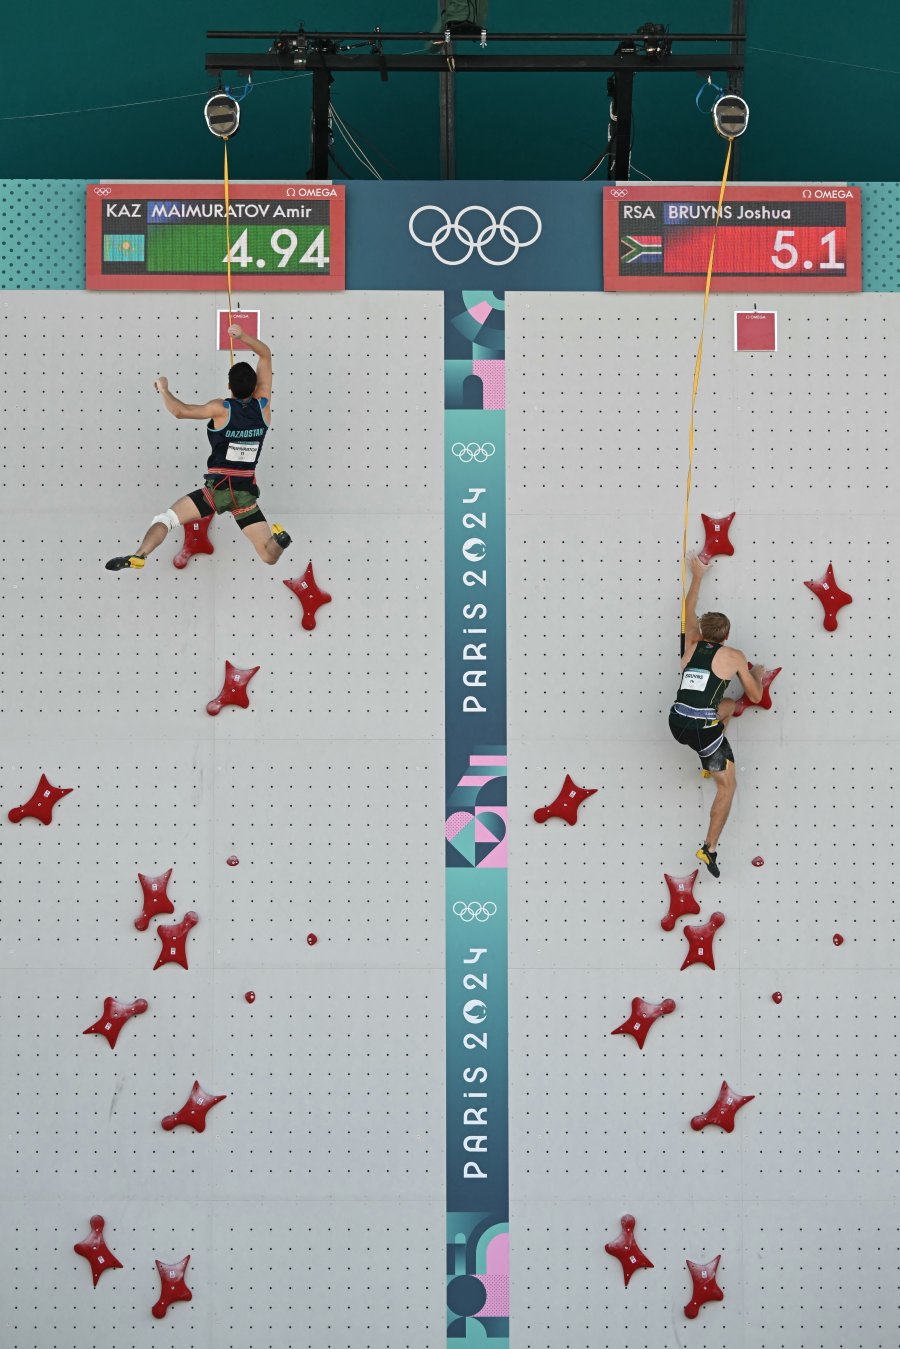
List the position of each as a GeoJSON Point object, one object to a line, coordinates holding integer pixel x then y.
{"type": "Point", "coordinates": [232, 861]}
{"type": "Point", "coordinates": [838, 939]}
{"type": "Point", "coordinates": [758, 862]}
{"type": "Point", "coordinates": [311, 939]}
{"type": "Point", "coordinates": [250, 996]}
{"type": "Point", "coordinates": [776, 997]}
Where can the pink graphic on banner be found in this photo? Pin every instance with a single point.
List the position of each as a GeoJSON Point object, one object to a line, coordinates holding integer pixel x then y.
{"type": "Point", "coordinates": [496, 1277]}
{"type": "Point", "coordinates": [477, 833]}
{"type": "Point", "coordinates": [493, 383]}
{"type": "Point", "coordinates": [487, 820]}
{"type": "Point", "coordinates": [456, 823]}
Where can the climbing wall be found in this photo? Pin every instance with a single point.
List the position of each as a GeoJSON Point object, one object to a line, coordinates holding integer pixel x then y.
{"type": "Point", "coordinates": [313, 1203]}
{"type": "Point", "coordinates": [801, 1199]}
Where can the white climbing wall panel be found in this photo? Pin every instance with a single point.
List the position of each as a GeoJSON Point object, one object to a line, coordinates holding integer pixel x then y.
{"type": "Point", "coordinates": [801, 1200]}
{"type": "Point", "coordinates": [313, 1204]}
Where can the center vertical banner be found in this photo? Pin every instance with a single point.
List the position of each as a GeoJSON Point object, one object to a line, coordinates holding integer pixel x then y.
{"type": "Point", "coordinates": [476, 819]}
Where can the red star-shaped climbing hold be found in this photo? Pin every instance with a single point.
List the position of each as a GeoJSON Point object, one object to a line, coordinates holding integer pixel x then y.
{"type": "Point", "coordinates": [173, 1287]}
{"type": "Point", "coordinates": [643, 1015]}
{"type": "Point", "coordinates": [565, 807]}
{"type": "Point", "coordinates": [681, 899]}
{"type": "Point", "coordinates": [717, 542]}
{"type": "Point", "coordinates": [627, 1251]}
{"type": "Point", "coordinates": [309, 595]}
{"type": "Point", "coordinates": [765, 703]}
{"type": "Point", "coordinates": [95, 1250]}
{"type": "Point", "coordinates": [196, 540]}
{"type": "Point", "coordinates": [40, 805]}
{"type": "Point", "coordinates": [832, 597]}
{"type": "Point", "coordinates": [706, 1289]}
{"type": "Point", "coordinates": [174, 941]}
{"type": "Point", "coordinates": [700, 941]}
{"type": "Point", "coordinates": [722, 1113]}
{"type": "Point", "coordinates": [234, 690]}
{"type": "Point", "coordinates": [156, 900]}
{"type": "Point", "coordinates": [194, 1111]}
{"type": "Point", "coordinates": [115, 1014]}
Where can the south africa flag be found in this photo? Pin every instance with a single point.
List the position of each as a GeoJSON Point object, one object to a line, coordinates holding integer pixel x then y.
{"type": "Point", "coordinates": [641, 248]}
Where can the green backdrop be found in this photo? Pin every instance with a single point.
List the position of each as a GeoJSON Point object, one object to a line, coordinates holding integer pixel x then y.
{"type": "Point", "coordinates": [827, 111]}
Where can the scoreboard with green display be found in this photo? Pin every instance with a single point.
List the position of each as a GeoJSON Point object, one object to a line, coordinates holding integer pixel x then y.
{"type": "Point", "coordinates": [805, 238]}
{"type": "Point", "coordinates": [172, 236]}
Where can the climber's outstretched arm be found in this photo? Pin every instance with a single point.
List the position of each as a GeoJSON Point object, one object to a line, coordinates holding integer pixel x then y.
{"type": "Point", "coordinates": [196, 411]}
{"type": "Point", "coordinates": [691, 622]}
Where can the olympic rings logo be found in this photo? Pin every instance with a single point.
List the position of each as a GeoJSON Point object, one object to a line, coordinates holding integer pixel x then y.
{"type": "Point", "coordinates": [475, 912]}
{"type": "Point", "coordinates": [618, 191]}
{"type": "Point", "coordinates": [102, 191]}
{"type": "Point", "coordinates": [476, 243]}
{"type": "Point", "coordinates": [473, 452]}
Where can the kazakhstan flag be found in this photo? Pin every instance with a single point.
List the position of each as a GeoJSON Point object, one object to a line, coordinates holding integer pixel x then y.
{"type": "Point", "coordinates": [123, 248]}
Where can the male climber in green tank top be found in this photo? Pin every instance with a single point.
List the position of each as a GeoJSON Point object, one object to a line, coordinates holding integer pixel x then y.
{"type": "Point", "coordinates": [700, 714]}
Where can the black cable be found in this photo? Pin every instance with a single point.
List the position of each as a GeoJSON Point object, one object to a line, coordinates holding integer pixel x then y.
{"type": "Point", "coordinates": [377, 148]}
{"type": "Point", "coordinates": [597, 162]}
{"type": "Point", "coordinates": [334, 159]}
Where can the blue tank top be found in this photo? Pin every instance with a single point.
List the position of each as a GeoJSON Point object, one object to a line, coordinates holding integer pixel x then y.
{"type": "Point", "coordinates": [235, 448]}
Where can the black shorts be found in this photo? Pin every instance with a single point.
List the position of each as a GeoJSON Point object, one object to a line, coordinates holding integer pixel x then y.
{"type": "Point", "coordinates": [238, 496]}
{"type": "Point", "coordinates": [704, 737]}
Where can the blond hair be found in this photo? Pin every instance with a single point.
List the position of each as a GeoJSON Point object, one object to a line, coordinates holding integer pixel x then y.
{"type": "Point", "coordinates": [714, 627]}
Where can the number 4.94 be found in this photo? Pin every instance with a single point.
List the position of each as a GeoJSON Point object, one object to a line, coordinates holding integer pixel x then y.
{"type": "Point", "coordinates": [284, 243]}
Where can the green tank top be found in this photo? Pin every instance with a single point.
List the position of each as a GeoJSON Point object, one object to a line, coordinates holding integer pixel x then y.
{"type": "Point", "coordinates": [699, 687]}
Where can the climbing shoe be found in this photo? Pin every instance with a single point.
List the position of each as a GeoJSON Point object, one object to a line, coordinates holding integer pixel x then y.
{"type": "Point", "coordinates": [708, 859]}
{"type": "Point", "coordinates": [120, 563]}
{"type": "Point", "coordinates": [281, 536]}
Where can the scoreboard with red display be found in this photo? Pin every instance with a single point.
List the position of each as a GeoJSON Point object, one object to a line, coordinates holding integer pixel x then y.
{"type": "Point", "coordinates": [803, 238]}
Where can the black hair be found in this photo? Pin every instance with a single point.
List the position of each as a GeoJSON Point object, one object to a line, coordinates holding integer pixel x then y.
{"type": "Point", "coordinates": [242, 379]}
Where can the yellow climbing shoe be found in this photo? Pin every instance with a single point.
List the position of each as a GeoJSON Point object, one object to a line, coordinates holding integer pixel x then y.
{"type": "Point", "coordinates": [120, 563]}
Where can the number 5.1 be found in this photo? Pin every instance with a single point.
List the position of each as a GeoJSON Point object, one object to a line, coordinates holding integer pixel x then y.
{"type": "Point", "coordinates": [785, 264]}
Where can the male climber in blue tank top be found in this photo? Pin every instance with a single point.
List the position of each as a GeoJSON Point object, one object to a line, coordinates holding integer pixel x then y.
{"type": "Point", "coordinates": [700, 715]}
{"type": "Point", "coordinates": [236, 428]}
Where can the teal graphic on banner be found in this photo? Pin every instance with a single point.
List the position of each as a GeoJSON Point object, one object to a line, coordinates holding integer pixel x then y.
{"type": "Point", "coordinates": [476, 819]}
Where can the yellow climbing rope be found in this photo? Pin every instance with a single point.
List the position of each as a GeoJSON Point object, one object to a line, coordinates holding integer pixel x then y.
{"type": "Point", "coordinates": [228, 249]}
{"type": "Point", "coordinates": [687, 499]}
